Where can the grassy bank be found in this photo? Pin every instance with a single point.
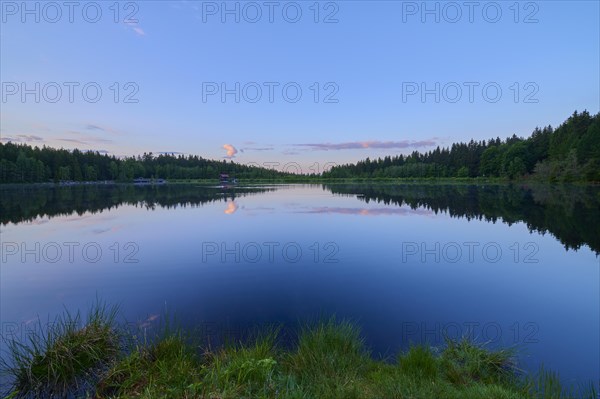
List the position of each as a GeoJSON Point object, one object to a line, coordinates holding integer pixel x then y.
{"type": "Point", "coordinates": [328, 360]}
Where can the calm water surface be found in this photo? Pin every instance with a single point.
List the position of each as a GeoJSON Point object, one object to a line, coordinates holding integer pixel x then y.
{"type": "Point", "coordinates": [505, 265]}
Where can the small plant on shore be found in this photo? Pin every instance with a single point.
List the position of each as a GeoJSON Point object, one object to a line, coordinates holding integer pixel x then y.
{"type": "Point", "coordinates": [247, 369]}
{"type": "Point", "coordinates": [163, 368]}
{"type": "Point", "coordinates": [465, 361]}
{"type": "Point", "coordinates": [331, 356]}
{"type": "Point", "coordinates": [419, 362]}
{"type": "Point", "coordinates": [63, 357]}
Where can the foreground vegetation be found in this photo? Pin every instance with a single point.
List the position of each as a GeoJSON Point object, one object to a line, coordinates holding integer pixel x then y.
{"type": "Point", "coordinates": [328, 360]}
{"type": "Point", "coordinates": [65, 356]}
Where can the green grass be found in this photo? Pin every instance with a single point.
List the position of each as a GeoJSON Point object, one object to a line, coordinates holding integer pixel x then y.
{"type": "Point", "coordinates": [464, 362]}
{"type": "Point", "coordinates": [328, 359]}
{"type": "Point", "coordinates": [163, 369]}
{"type": "Point", "coordinates": [64, 356]}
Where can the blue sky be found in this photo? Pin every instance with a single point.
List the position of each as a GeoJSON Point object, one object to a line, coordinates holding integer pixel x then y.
{"type": "Point", "coordinates": [361, 67]}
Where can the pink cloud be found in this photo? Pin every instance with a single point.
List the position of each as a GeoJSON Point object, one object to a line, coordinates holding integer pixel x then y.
{"type": "Point", "coordinates": [231, 150]}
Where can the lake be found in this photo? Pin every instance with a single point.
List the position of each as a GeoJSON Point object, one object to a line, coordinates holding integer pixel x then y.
{"type": "Point", "coordinates": [506, 265]}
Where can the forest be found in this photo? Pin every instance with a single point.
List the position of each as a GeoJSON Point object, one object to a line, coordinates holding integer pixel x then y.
{"type": "Point", "coordinates": [569, 153]}
{"type": "Point", "coordinates": [25, 164]}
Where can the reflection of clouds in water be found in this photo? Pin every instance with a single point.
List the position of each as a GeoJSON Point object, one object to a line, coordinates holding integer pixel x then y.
{"type": "Point", "coordinates": [38, 221]}
{"type": "Point", "coordinates": [255, 211]}
{"type": "Point", "coordinates": [112, 229]}
{"type": "Point", "coordinates": [77, 218]}
{"type": "Point", "coordinates": [370, 212]}
{"type": "Point", "coordinates": [100, 231]}
{"type": "Point", "coordinates": [231, 208]}
{"type": "Point", "coordinates": [89, 218]}
{"type": "Point", "coordinates": [106, 217]}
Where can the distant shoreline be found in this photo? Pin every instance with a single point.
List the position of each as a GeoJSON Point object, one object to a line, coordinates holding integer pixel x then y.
{"type": "Point", "coordinates": [315, 180]}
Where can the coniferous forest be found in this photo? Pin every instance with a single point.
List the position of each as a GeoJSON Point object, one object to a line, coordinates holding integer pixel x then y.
{"type": "Point", "coordinates": [569, 153]}
{"type": "Point", "coordinates": [26, 164]}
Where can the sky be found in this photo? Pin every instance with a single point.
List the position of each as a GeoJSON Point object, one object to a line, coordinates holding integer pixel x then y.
{"type": "Point", "coordinates": [298, 86]}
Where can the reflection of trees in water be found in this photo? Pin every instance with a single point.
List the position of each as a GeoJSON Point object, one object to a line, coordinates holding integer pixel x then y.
{"type": "Point", "coordinates": [26, 203]}
{"type": "Point", "coordinates": [569, 213]}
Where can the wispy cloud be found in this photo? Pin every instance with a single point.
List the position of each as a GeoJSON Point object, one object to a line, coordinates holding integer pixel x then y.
{"type": "Point", "coordinates": [134, 24]}
{"type": "Point", "coordinates": [231, 150]}
{"type": "Point", "coordinates": [256, 149]}
{"type": "Point", "coordinates": [86, 140]}
{"type": "Point", "coordinates": [254, 146]}
{"type": "Point", "coordinates": [169, 153]}
{"type": "Point", "coordinates": [359, 145]}
{"type": "Point", "coordinates": [105, 129]}
{"type": "Point", "coordinates": [72, 141]}
{"type": "Point", "coordinates": [23, 138]}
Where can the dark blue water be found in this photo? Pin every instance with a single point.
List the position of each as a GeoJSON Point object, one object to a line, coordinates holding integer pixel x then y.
{"type": "Point", "coordinates": [504, 265]}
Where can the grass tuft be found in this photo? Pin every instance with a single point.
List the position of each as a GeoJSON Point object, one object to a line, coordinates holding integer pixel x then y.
{"type": "Point", "coordinates": [244, 369]}
{"type": "Point", "coordinates": [330, 358]}
{"type": "Point", "coordinates": [465, 362]}
{"type": "Point", "coordinates": [419, 362]}
{"type": "Point", "coordinates": [63, 357]}
{"type": "Point", "coordinates": [165, 368]}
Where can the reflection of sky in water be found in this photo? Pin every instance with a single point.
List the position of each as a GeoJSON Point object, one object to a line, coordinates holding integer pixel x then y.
{"type": "Point", "coordinates": [351, 265]}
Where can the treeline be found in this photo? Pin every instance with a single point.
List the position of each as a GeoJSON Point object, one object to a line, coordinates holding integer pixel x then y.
{"type": "Point", "coordinates": [568, 153]}
{"type": "Point", "coordinates": [20, 163]}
